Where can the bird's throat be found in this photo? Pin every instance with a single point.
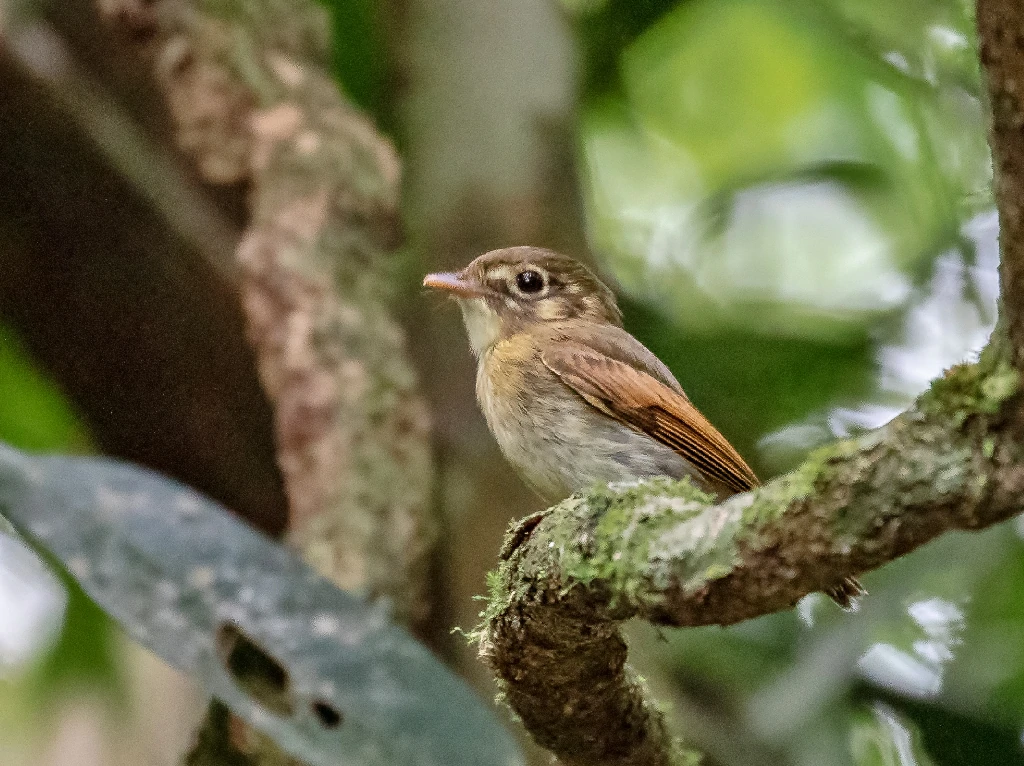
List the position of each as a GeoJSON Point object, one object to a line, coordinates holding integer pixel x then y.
{"type": "Point", "coordinates": [483, 325]}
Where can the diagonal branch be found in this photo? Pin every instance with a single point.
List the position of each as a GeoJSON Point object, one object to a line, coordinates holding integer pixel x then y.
{"type": "Point", "coordinates": [248, 87]}
{"type": "Point", "coordinates": [662, 552]}
{"type": "Point", "coordinates": [253, 103]}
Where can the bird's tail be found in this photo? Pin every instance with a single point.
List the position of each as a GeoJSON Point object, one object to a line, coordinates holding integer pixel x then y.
{"type": "Point", "coordinates": [846, 592]}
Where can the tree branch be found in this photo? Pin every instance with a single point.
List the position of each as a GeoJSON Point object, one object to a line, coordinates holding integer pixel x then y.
{"type": "Point", "coordinates": [1001, 42]}
{"type": "Point", "coordinates": [249, 89]}
{"type": "Point", "coordinates": [659, 550]}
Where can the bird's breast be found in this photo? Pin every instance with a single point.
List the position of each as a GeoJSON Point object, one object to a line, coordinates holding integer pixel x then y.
{"type": "Point", "coordinates": [558, 442]}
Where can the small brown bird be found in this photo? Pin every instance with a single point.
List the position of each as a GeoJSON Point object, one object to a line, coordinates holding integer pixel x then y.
{"type": "Point", "coordinates": [571, 397]}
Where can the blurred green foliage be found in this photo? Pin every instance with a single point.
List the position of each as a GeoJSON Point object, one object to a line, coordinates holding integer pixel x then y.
{"type": "Point", "coordinates": [35, 416]}
{"type": "Point", "coordinates": [759, 169]}
{"type": "Point", "coordinates": [359, 61]}
{"type": "Point", "coordinates": [604, 28]}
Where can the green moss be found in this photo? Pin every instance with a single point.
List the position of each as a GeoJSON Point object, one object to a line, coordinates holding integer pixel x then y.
{"type": "Point", "coordinates": [501, 591]}
{"type": "Point", "coordinates": [615, 545]}
{"type": "Point", "coordinates": [767, 504]}
{"type": "Point", "coordinates": [988, 447]}
{"type": "Point", "coordinates": [602, 535]}
{"type": "Point", "coordinates": [972, 389]}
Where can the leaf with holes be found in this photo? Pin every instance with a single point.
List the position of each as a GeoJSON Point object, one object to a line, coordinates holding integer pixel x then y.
{"type": "Point", "coordinates": [328, 677]}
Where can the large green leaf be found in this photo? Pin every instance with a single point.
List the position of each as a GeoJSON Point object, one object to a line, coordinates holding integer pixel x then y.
{"type": "Point", "coordinates": [329, 677]}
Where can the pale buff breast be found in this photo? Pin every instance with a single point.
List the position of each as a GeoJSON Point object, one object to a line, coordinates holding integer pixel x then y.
{"type": "Point", "coordinates": [558, 442]}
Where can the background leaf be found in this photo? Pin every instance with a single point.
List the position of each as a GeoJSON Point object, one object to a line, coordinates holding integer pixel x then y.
{"type": "Point", "coordinates": [81, 655]}
{"type": "Point", "coordinates": [331, 679]}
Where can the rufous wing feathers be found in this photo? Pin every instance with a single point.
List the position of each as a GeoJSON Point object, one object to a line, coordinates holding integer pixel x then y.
{"type": "Point", "coordinates": [640, 401]}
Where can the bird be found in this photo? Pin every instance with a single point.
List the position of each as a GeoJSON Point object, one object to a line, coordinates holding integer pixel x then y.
{"type": "Point", "coordinates": [570, 396]}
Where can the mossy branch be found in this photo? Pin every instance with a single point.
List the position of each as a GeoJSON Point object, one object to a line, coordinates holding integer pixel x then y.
{"type": "Point", "coordinates": [662, 552]}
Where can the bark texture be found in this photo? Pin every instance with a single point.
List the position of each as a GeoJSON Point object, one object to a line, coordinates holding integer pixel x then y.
{"type": "Point", "coordinates": [1001, 43]}
{"type": "Point", "coordinates": [249, 89]}
{"type": "Point", "coordinates": [253, 102]}
{"type": "Point", "coordinates": [661, 551]}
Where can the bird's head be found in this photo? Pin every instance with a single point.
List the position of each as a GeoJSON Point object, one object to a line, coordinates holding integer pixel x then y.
{"type": "Point", "coordinates": [507, 291]}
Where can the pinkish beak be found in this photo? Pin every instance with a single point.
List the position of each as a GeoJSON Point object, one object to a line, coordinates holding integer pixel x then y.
{"type": "Point", "coordinates": [453, 283]}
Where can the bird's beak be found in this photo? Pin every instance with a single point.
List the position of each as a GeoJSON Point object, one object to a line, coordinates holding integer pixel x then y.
{"type": "Point", "coordinates": [454, 283]}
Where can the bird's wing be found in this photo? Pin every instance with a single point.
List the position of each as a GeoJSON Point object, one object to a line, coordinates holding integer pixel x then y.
{"type": "Point", "coordinates": [615, 343]}
{"type": "Point", "coordinates": [637, 399]}
{"type": "Point", "coordinates": [633, 396]}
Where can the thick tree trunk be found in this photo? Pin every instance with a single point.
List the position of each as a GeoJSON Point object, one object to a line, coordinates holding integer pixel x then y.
{"type": "Point", "coordinates": [253, 102]}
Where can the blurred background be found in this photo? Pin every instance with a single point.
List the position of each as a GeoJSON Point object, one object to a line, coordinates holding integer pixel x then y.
{"type": "Point", "coordinates": [791, 198]}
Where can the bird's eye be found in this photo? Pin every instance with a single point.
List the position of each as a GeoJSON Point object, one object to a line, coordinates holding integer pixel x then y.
{"type": "Point", "coordinates": [530, 281]}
